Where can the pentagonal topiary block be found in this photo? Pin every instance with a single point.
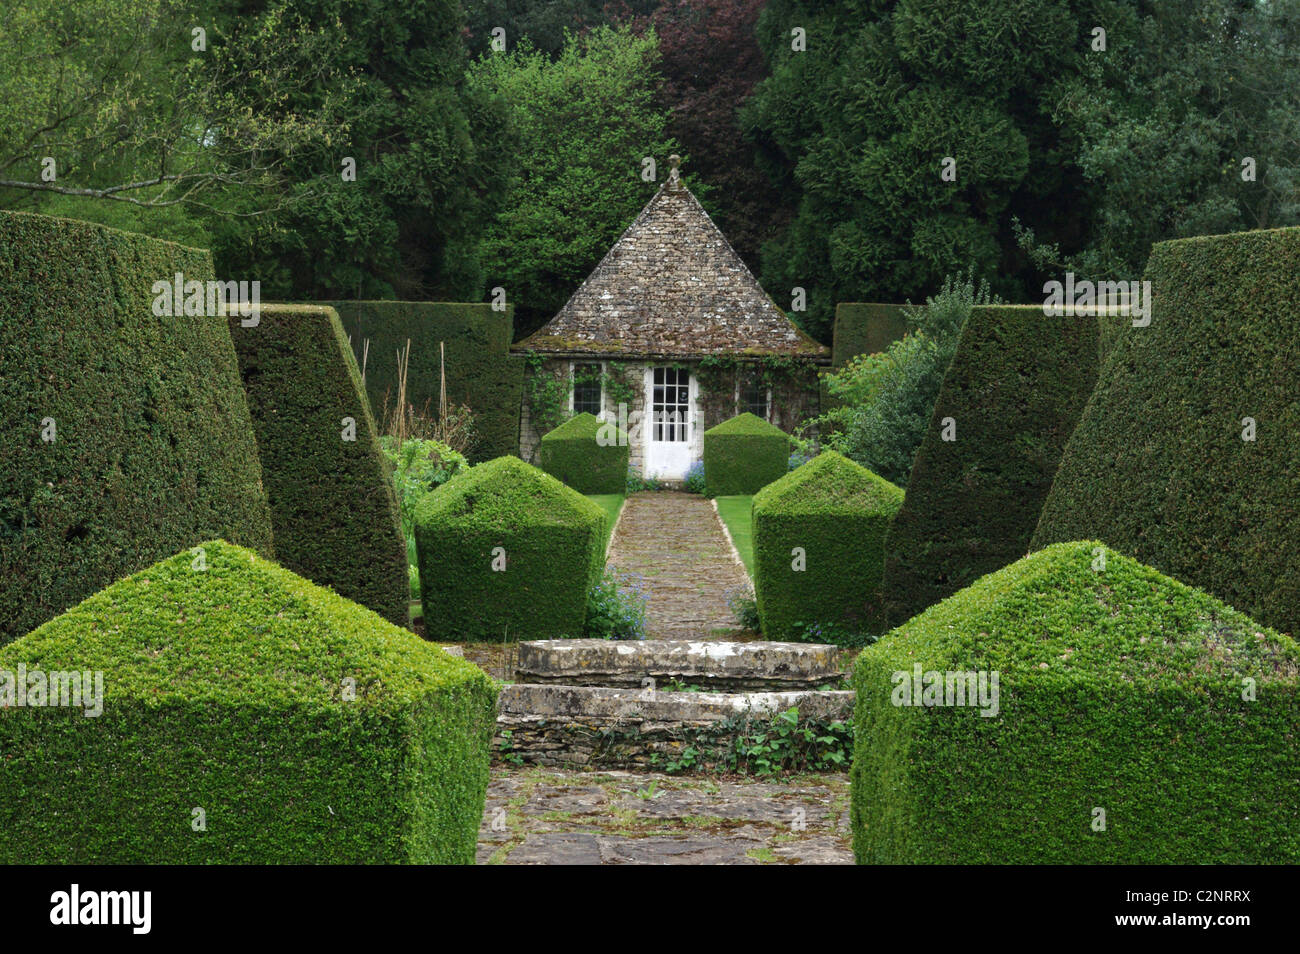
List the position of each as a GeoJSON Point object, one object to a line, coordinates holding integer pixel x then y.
{"type": "Point", "coordinates": [332, 503]}
{"type": "Point", "coordinates": [744, 455]}
{"type": "Point", "coordinates": [507, 551]}
{"type": "Point", "coordinates": [1119, 691]}
{"type": "Point", "coordinates": [1010, 400]}
{"type": "Point", "coordinates": [126, 434]}
{"type": "Point", "coordinates": [819, 537]}
{"type": "Point", "coordinates": [297, 726]}
{"type": "Point", "coordinates": [1187, 455]}
{"type": "Point", "coordinates": [589, 456]}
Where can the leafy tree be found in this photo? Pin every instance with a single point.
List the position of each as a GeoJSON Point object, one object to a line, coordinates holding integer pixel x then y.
{"type": "Point", "coordinates": [1185, 91]}
{"type": "Point", "coordinates": [711, 63]}
{"type": "Point", "coordinates": [430, 159]}
{"type": "Point", "coordinates": [888, 398]}
{"type": "Point", "coordinates": [117, 109]}
{"type": "Point", "coordinates": [860, 124]}
{"type": "Point", "coordinates": [580, 125]}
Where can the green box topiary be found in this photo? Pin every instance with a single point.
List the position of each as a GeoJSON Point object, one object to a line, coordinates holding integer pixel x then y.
{"type": "Point", "coordinates": [1124, 699]}
{"type": "Point", "coordinates": [1158, 466]}
{"type": "Point", "coordinates": [507, 552]}
{"type": "Point", "coordinates": [1010, 399]}
{"type": "Point", "coordinates": [743, 455]}
{"type": "Point", "coordinates": [126, 434]}
{"type": "Point", "coordinates": [333, 509]}
{"type": "Point", "coordinates": [249, 717]}
{"type": "Point", "coordinates": [481, 372]}
{"type": "Point", "coordinates": [588, 455]}
{"type": "Point", "coordinates": [829, 517]}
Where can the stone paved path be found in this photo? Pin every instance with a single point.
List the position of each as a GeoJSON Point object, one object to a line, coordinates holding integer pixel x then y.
{"type": "Point", "coordinates": [675, 542]}
{"type": "Point", "coordinates": [544, 816]}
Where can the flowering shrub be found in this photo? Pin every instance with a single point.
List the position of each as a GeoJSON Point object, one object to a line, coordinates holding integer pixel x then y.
{"type": "Point", "coordinates": [695, 479]}
{"type": "Point", "coordinates": [616, 607]}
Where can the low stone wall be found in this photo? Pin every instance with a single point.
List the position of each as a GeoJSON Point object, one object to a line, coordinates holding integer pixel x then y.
{"type": "Point", "coordinates": [591, 727]}
{"type": "Point", "coordinates": [707, 664]}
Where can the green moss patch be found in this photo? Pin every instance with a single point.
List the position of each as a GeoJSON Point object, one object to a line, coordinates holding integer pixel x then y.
{"type": "Point", "coordinates": [1010, 399]}
{"type": "Point", "coordinates": [507, 552]}
{"type": "Point", "coordinates": [818, 537]}
{"type": "Point", "coordinates": [250, 717]}
{"type": "Point", "coordinates": [587, 455]}
{"type": "Point", "coordinates": [332, 504]}
{"type": "Point", "coordinates": [1158, 466]}
{"type": "Point", "coordinates": [126, 435]}
{"type": "Point", "coordinates": [1122, 699]}
{"type": "Point", "coordinates": [743, 455]}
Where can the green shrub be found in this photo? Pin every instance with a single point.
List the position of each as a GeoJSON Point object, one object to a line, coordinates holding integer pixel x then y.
{"type": "Point", "coordinates": [153, 447]}
{"type": "Point", "coordinates": [481, 372]}
{"type": "Point", "coordinates": [419, 466]}
{"type": "Point", "coordinates": [1119, 690]}
{"type": "Point", "coordinates": [866, 328]}
{"type": "Point", "coordinates": [744, 455]}
{"type": "Point", "coordinates": [1157, 466]}
{"type": "Point", "coordinates": [305, 727]}
{"type": "Point", "coordinates": [616, 607]}
{"type": "Point", "coordinates": [1014, 391]}
{"type": "Point", "coordinates": [886, 399]}
{"type": "Point", "coordinates": [589, 456]}
{"type": "Point", "coordinates": [505, 513]}
{"type": "Point", "coordinates": [836, 514]}
{"type": "Point", "coordinates": [333, 510]}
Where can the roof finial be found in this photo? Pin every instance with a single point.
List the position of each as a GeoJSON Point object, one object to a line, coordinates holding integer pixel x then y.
{"type": "Point", "coordinates": [674, 161]}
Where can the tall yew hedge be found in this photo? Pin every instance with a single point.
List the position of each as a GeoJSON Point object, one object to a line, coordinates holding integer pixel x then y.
{"type": "Point", "coordinates": [1158, 466]}
{"type": "Point", "coordinates": [152, 445]}
{"type": "Point", "coordinates": [1013, 394]}
{"type": "Point", "coordinates": [333, 509]}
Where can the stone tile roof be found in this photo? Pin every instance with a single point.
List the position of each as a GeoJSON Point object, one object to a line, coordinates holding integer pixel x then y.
{"type": "Point", "coordinates": [672, 286]}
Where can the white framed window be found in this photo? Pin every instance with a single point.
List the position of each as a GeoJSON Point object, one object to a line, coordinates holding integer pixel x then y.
{"type": "Point", "coordinates": [754, 396]}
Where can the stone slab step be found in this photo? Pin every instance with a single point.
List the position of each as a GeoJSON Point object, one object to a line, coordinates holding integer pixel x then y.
{"type": "Point", "coordinates": [601, 727]}
{"type": "Point", "coordinates": [703, 663]}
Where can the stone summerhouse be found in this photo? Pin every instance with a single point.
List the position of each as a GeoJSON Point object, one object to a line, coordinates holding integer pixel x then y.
{"type": "Point", "coordinates": [668, 336]}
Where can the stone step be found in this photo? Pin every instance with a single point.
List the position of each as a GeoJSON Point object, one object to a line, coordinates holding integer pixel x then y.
{"type": "Point", "coordinates": [704, 663]}
{"type": "Point", "coordinates": [601, 727]}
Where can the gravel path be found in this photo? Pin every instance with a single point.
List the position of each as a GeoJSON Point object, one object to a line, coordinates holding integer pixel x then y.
{"type": "Point", "coordinates": [543, 816]}
{"type": "Point", "coordinates": [675, 543]}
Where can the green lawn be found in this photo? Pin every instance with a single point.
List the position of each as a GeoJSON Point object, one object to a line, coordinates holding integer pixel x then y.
{"type": "Point", "coordinates": [735, 513]}
{"type": "Point", "coordinates": [611, 504]}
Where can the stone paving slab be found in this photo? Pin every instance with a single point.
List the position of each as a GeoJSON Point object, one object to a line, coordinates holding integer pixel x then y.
{"type": "Point", "coordinates": [675, 543]}
{"type": "Point", "coordinates": [545, 816]}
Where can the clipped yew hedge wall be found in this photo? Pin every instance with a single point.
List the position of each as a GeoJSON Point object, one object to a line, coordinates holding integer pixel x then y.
{"type": "Point", "coordinates": [153, 446]}
{"type": "Point", "coordinates": [865, 328]}
{"type": "Point", "coordinates": [1016, 386]}
{"type": "Point", "coordinates": [333, 510]}
{"type": "Point", "coordinates": [305, 728]}
{"type": "Point", "coordinates": [1120, 691]}
{"type": "Point", "coordinates": [743, 455]}
{"type": "Point", "coordinates": [587, 455]}
{"type": "Point", "coordinates": [481, 372]}
{"type": "Point", "coordinates": [837, 513]}
{"type": "Point", "coordinates": [549, 538]}
{"type": "Point", "coordinates": [1157, 466]}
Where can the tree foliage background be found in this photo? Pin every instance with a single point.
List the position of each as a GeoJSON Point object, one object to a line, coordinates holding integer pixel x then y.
{"type": "Point", "coordinates": [478, 168]}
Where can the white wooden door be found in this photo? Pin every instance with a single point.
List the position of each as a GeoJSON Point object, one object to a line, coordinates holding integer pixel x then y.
{"type": "Point", "coordinates": [670, 398]}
